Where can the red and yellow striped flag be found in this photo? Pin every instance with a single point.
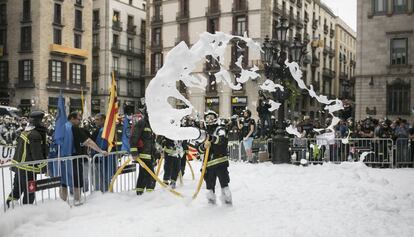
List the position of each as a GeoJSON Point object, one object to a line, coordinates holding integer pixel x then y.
{"type": "Point", "coordinates": [109, 129]}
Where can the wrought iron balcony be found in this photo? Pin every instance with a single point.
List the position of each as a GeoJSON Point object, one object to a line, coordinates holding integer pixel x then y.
{"type": "Point", "coordinates": [326, 29]}
{"type": "Point", "coordinates": [117, 25]}
{"type": "Point", "coordinates": [332, 33]}
{"type": "Point", "coordinates": [132, 29]}
{"type": "Point", "coordinates": [328, 73]}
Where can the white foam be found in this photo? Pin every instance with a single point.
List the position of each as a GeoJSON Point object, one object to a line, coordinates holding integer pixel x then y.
{"type": "Point", "coordinates": [180, 62]}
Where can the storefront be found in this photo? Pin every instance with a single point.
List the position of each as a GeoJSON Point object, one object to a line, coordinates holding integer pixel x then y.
{"type": "Point", "coordinates": [95, 106]}
{"type": "Point", "coordinates": [213, 103]}
{"type": "Point", "coordinates": [129, 107]}
{"type": "Point", "coordinates": [238, 104]}
{"type": "Point", "coordinates": [25, 107]}
{"type": "Point", "coordinates": [75, 105]}
{"type": "Point", "coordinates": [52, 107]}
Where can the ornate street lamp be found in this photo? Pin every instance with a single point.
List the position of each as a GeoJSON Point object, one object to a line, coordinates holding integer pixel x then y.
{"type": "Point", "coordinates": [275, 52]}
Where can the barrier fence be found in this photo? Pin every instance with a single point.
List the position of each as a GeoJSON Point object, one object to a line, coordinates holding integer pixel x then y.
{"type": "Point", "coordinates": [74, 178]}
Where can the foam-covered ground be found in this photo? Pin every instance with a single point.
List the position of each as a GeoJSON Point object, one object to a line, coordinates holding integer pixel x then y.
{"type": "Point", "coordinates": [269, 200]}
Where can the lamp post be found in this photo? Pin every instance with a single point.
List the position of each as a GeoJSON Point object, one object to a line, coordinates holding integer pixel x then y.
{"type": "Point", "coordinates": [275, 53]}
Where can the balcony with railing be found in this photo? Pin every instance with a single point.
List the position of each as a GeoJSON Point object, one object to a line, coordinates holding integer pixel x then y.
{"type": "Point", "coordinates": [156, 19]}
{"type": "Point", "coordinates": [299, 23]}
{"type": "Point", "coordinates": [326, 50]}
{"type": "Point", "coordinates": [117, 25]}
{"type": "Point", "coordinates": [343, 76]}
{"type": "Point", "coordinates": [326, 29]}
{"type": "Point", "coordinates": [306, 17]}
{"type": "Point", "coordinates": [315, 24]}
{"type": "Point", "coordinates": [127, 50]}
{"type": "Point", "coordinates": [213, 10]}
{"type": "Point", "coordinates": [315, 62]}
{"type": "Point", "coordinates": [182, 16]}
{"type": "Point", "coordinates": [328, 73]}
{"type": "Point", "coordinates": [240, 8]}
{"type": "Point", "coordinates": [332, 33]}
{"type": "Point", "coordinates": [132, 29]}
{"type": "Point", "coordinates": [331, 52]}
{"type": "Point", "coordinates": [126, 73]}
{"type": "Point", "coordinates": [278, 9]}
{"type": "Point", "coordinates": [299, 3]}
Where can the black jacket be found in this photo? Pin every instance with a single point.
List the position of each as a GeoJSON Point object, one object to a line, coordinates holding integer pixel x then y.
{"type": "Point", "coordinates": [141, 130]}
{"type": "Point", "coordinates": [218, 150]}
{"type": "Point", "coordinates": [31, 146]}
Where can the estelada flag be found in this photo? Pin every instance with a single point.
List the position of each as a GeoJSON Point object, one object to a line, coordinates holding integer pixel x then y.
{"type": "Point", "coordinates": [111, 116]}
{"type": "Point", "coordinates": [192, 153]}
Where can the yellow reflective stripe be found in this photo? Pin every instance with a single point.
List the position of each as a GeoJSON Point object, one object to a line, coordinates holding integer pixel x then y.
{"type": "Point", "coordinates": [150, 189]}
{"type": "Point", "coordinates": [145, 156]}
{"type": "Point", "coordinates": [139, 189]}
{"type": "Point", "coordinates": [217, 161]}
{"type": "Point", "coordinates": [217, 140]}
{"type": "Point", "coordinates": [11, 199]}
{"type": "Point", "coordinates": [119, 143]}
{"type": "Point", "coordinates": [147, 130]}
{"type": "Point", "coordinates": [168, 150]}
{"type": "Point", "coordinates": [29, 168]}
{"type": "Point", "coordinates": [23, 159]}
{"type": "Point", "coordinates": [134, 149]}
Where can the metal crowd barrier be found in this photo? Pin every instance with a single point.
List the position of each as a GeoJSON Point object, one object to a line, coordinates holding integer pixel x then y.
{"type": "Point", "coordinates": [38, 181]}
{"type": "Point", "coordinates": [404, 152]}
{"type": "Point", "coordinates": [105, 167]}
{"type": "Point", "coordinates": [379, 152]}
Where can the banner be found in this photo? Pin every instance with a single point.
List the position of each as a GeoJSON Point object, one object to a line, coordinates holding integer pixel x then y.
{"type": "Point", "coordinates": [6, 154]}
{"type": "Point", "coordinates": [325, 139]}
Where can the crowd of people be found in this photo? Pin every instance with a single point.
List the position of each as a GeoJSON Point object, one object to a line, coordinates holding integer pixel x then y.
{"type": "Point", "coordinates": [146, 147]}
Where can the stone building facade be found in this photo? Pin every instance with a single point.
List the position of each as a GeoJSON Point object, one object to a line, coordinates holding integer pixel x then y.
{"type": "Point", "coordinates": [172, 21]}
{"type": "Point", "coordinates": [118, 46]}
{"type": "Point", "coordinates": [45, 48]}
{"type": "Point", "coordinates": [384, 71]}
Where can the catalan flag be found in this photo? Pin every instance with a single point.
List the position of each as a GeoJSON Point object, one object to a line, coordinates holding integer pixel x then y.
{"type": "Point", "coordinates": [109, 129]}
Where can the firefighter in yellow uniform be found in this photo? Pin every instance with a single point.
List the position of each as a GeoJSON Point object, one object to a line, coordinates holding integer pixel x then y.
{"type": "Point", "coordinates": [31, 146]}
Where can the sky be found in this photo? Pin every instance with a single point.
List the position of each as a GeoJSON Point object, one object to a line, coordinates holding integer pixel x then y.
{"type": "Point", "coordinates": [345, 9]}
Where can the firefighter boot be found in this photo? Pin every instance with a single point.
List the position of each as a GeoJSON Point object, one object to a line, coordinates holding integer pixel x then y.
{"type": "Point", "coordinates": [211, 197]}
{"type": "Point", "coordinates": [226, 196]}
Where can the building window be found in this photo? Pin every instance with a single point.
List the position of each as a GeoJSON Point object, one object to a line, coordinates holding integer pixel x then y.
{"type": "Point", "coordinates": [26, 38]}
{"type": "Point", "coordinates": [77, 41]}
{"type": "Point", "coordinates": [184, 32]}
{"type": "Point", "coordinates": [157, 12]}
{"type": "Point", "coordinates": [130, 88]}
{"type": "Point", "coordinates": [95, 64]}
{"type": "Point", "coordinates": [130, 66]}
{"type": "Point", "coordinates": [156, 36]}
{"type": "Point", "coordinates": [57, 14]}
{"type": "Point", "coordinates": [26, 70]}
{"type": "Point", "coordinates": [212, 86]}
{"type": "Point", "coordinates": [56, 70]}
{"type": "Point", "coordinates": [3, 40]}
{"type": "Point", "coordinates": [78, 2]}
{"type": "Point", "coordinates": [400, 6]}
{"type": "Point", "coordinates": [213, 25]}
{"type": "Point", "coordinates": [3, 14]}
{"type": "Point", "coordinates": [156, 62]}
{"type": "Point", "coordinates": [4, 72]}
{"type": "Point", "coordinates": [95, 86]}
{"type": "Point", "coordinates": [399, 51]}
{"type": "Point", "coordinates": [76, 74]}
{"type": "Point", "coordinates": [130, 44]}
{"type": "Point", "coordinates": [116, 18]}
{"type": "Point", "coordinates": [95, 40]}
{"type": "Point", "coordinates": [239, 49]}
{"type": "Point", "coordinates": [78, 20]}
{"type": "Point", "coordinates": [26, 11]}
{"type": "Point", "coordinates": [240, 25]}
{"type": "Point", "coordinates": [398, 97]}
{"type": "Point", "coordinates": [95, 19]}
{"type": "Point", "coordinates": [57, 36]}
{"type": "Point", "coordinates": [115, 63]}
{"type": "Point", "coordinates": [115, 40]}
